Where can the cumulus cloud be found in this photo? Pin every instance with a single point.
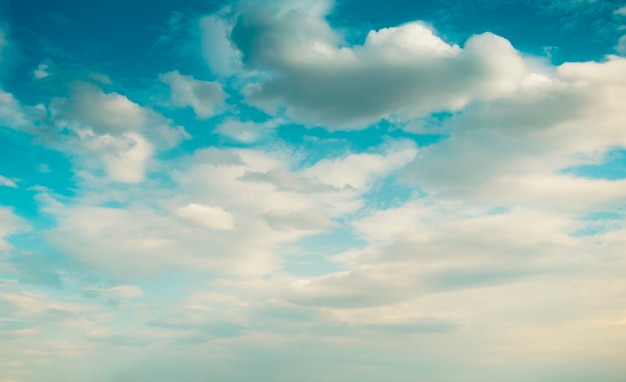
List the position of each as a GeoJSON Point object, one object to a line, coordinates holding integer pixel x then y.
{"type": "Point", "coordinates": [204, 97]}
{"type": "Point", "coordinates": [105, 134]}
{"type": "Point", "coordinates": [123, 158]}
{"type": "Point", "coordinates": [405, 70]}
{"type": "Point", "coordinates": [500, 247]}
{"type": "Point", "coordinates": [220, 213]}
{"type": "Point", "coordinates": [514, 150]}
{"type": "Point", "coordinates": [105, 113]}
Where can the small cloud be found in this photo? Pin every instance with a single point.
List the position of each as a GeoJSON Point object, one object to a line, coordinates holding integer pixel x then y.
{"type": "Point", "coordinates": [620, 11]}
{"type": "Point", "coordinates": [4, 181]}
{"type": "Point", "coordinates": [42, 71]}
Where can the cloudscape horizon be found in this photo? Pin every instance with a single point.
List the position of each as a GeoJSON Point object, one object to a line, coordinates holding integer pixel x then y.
{"type": "Point", "coordinates": [313, 190]}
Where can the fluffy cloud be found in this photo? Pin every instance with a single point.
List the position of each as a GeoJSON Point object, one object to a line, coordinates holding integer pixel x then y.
{"type": "Point", "coordinates": [104, 113]}
{"type": "Point", "coordinates": [202, 96]}
{"type": "Point", "coordinates": [405, 70]}
{"type": "Point", "coordinates": [515, 150]}
{"type": "Point", "coordinates": [227, 210]}
{"type": "Point", "coordinates": [124, 158]}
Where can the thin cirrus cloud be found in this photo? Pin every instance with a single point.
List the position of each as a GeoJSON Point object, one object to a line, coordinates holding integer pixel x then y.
{"type": "Point", "coordinates": [313, 190]}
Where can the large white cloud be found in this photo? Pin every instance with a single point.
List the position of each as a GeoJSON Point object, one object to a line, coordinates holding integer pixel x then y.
{"type": "Point", "coordinates": [405, 70]}
{"type": "Point", "coordinates": [516, 150]}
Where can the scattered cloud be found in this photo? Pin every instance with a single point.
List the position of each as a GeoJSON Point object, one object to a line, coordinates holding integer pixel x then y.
{"type": "Point", "coordinates": [336, 182]}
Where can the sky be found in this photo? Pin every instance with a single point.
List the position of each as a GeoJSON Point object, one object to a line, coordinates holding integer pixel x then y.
{"type": "Point", "coordinates": [313, 190]}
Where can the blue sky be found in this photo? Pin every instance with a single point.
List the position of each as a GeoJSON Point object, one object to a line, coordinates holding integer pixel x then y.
{"type": "Point", "coordinates": [312, 190]}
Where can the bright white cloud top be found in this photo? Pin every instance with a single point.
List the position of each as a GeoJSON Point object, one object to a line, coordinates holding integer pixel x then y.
{"type": "Point", "coordinates": [313, 191]}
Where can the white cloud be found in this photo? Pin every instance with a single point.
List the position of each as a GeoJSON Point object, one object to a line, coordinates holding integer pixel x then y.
{"type": "Point", "coordinates": [620, 11]}
{"type": "Point", "coordinates": [128, 164]}
{"type": "Point", "coordinates": [405, 70]}
{"type": "Point", "coordinates": [4, 181]}
{"type": "Point", "coordinates": [462, 253]}
{"type": "Point", "coordinates": [513, 151]}
{"type": "Point", "coordinates": [215, 201]}
{"type": "Point", "coordinates": [123, 158]}
{"type": "Point", "coordinates": [105, 113]}
{"type": "Point", "coordinates": [110, 137]}
{"type": "Point", "coordinates": [204, 97]}
{"type": "Point", "coordinates": [357, 171]}
{"type": "Point", "coordinates": [207, 216]}
{"type": "Point", "coordinates": [41, 71]}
